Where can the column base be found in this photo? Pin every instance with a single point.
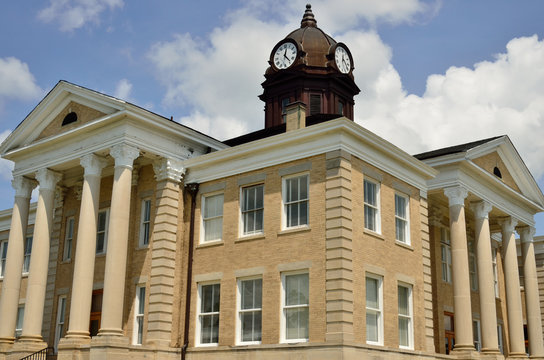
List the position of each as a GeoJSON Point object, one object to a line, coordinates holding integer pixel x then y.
{"type": "Point", "coordinates": [74, 348]}
{"type": "Point", "coordinates": [517, 355]}
{"type": "Point", "coordinates": [465, 352]}
{"type": "Point", "coordinates": [109, 347]}
{"type": "Point", "coordinates": [491, 354]}
{"type": "Point", "coordinates": [26, 346]}
{"type": "Point", "coordinates": [5, 348]}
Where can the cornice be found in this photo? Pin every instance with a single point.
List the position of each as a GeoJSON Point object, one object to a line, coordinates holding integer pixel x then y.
{"type": "Point", "coordinates": [339, 134]}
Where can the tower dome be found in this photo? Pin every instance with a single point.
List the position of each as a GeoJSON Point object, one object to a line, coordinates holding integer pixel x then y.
{"type": "Point", "coordinates": [309, 66]}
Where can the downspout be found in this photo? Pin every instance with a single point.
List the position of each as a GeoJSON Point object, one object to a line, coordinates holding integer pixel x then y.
{"type": "Point", "coordinates": [193, 190]}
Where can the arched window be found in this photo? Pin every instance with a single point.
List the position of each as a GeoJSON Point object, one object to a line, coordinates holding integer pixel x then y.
{"type": "Point", "coordinates": [70, 118]}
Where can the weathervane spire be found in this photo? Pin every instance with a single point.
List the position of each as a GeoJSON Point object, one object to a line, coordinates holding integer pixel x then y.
{"type": "Point", "coordinates": [308, 18]}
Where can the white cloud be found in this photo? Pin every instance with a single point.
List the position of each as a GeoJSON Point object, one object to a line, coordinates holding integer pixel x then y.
{"type": "Point", "coordinates": [6, 166]}
{"type": "Point", "coordinates": [123, 90]}
{"type": "Point", "coordinates": [218, 78]}
{"type": "Point", "coordinates": [16, 80]}
{"type": "Point", "coordinates": [503, 96]}
{"type": "Point", "coordinates": [73, 14]}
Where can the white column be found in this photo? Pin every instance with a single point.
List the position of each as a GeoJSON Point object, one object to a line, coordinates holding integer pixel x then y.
{"type": "Point", "coordinates": [116, 257]}
{"type": "Point", "coordinates": [82, 283]}
{"type": "Point", "coordinates": [39, 258]}
{"type": "Point", "coordinates": [9, 296]}
{"type": "Point", "coordinates": [532, 301]}
{"type": "Point", "coordinates": [513, 295]}
{"type": "Point", "coordinates": [490, 342]}
{"type": "Point", "coordinates": [461, 279]}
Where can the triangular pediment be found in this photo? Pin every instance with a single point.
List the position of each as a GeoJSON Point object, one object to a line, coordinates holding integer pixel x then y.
{"type": "Point", "coordinates": [493, 164]}
{"type": "Point", "coordinates": [499, 158]}
{"type": "Point", "coordinates": [46, 119]}
{"type": "Point", "coordinates": [72, 116]}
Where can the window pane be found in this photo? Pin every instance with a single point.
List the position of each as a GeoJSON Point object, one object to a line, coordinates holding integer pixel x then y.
{"type": "Point", "coordinates": [404, 326]}
{"type": "Point", "coordinates": [251, 326]}
{"type": "Point", "coordinates": [259, 197]}
{"type": "Point", "coordinates": [296, 289]}
{"type": "Point", "coordinates": [370, 216]}
{"type": "Point", "coordinates": [303, 183]}
{"type": "Point", "coordinates": [372, 327]}
{"type": "Point", "coordinates": [141, 300]}
{"type": "Point", "coordinates": [303, 213]}
{"type": "Point", "coordinates": [370, 193]}
{"type": "Point", "coordinates": [372, 293]}
{"type": "Point", "coordinates": [297, 323]}
{"type": "Point", "coordinates": [401, 229]}
{"type": "Point", "coordinates": [101, 221]}
{"type": "Point", "coordinates": [404, 301]}
{"type": "Point", "coordinates": [400, 206]}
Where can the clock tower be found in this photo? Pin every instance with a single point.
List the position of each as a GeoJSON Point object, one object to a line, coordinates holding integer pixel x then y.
{"type": "Point", "coordinates": [311, 67]}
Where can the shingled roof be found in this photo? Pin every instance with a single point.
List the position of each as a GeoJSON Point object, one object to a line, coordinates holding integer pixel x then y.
{"type": "Point", "coordinates": [453, 149]}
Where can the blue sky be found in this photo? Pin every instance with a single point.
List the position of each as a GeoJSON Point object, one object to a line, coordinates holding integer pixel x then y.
{"type": "Point", "coordinates": [460, 70]}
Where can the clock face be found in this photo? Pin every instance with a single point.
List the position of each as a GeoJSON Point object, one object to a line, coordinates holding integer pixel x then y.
{"type": "Point", "coordinates": [342, 59]}
{"type": "Point", "coordinates": [285, 55]}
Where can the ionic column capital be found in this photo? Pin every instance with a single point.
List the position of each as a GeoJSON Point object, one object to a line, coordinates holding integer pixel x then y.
{"type": "Point", "coordinates": [124, 155]}
{"type": "Point", "coordinates": [456, 195]}
{"type": "Point", "coordinates": [48, 179]}
{"type": "Point", "coordinates": [23, 186]}
{"type": "Point", "coordinates": [526, 233]}
{"type": "Point", "coordinates": [93, 164]}
{"type": "Point", "coordinates": [481, 209]}
{"type": "Point", "coordinates": [508, 224]}
{"type": "Point", "coordinates": [170, 169]}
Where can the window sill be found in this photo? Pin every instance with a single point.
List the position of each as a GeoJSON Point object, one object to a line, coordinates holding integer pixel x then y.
{"type": "Point", "coordinates": [404, 245]}
{"type": "Point", "coordinates": [374, 234]}
{"type": "Point", "coordinates": [67, 261]}
{"type": "Point", "coordinates": [295, 341]}
{"type": "Point", "coordinates": [101, 255]}
{"type": "Point", "coordinates": [249, 238]}
{"type": "Point", "coordinates": [295, 230]}
{"type": "Point", "coordinates": [207, 245]}
{"type": "Point", "coordinates": [142, 247]}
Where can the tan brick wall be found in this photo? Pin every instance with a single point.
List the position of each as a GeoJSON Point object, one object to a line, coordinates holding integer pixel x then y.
{"type": "Point", "coordinates": [397, 261]}
{"type": "Point", "coordinates": [268, 251]}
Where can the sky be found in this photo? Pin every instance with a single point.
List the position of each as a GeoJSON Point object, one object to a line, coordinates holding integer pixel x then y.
{"type": "Point", "coordinates": [432, 73]}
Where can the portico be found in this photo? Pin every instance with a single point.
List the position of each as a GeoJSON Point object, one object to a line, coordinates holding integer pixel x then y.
{"type": "Point", "coordinates": [480, 204]}
{"type": "Point", "coordinates": [105, 142]}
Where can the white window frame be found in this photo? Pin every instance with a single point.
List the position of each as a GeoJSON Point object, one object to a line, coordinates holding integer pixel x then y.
{"type": "Point", "coordinates": [472, 267]}
{"type": "Point", "coordinates": [477, 334]}
{"type": "Point", "coordinates": [299, 201]}
{"type": "Point", "coordinates": [405, 221]}
{"type": "Point", "coordinates": [203, 219]}
{"type": "Point", "coordinates": [19, 320]}
{"type": "Point", "coordinates": [199, 315]}
{"type": "Point", "coordinates": [105, 231]}
{"type": "Point", "coordinates": [377, 217]}
{"type": "Point", "coordinates": [3, 257]}
{"type": "Point", "coordinates": [445, 249]}
{"type": "Point", "coordinates": [379, 310]}
{"type": "Point", "coordinates": [284, 307]}
{"type": "Point", "coordinates": [68, 238]}
{"type": "Point", "coordinates": [255, 210]}
{"type": "Point", "coordinates": [139, 313]}
{"type": "Point", "coordinates": [27, 254]}
{"type": "Point", "coordinates": [145, 223]}
{"type": "Point", "coordinates": [61, 320]}
{"type": "Point", "coordinates": [241, 311]}
{"type": "Point", "coordinates": [495, 271]}
{"type": "Point", "coordinates": [410, 316]}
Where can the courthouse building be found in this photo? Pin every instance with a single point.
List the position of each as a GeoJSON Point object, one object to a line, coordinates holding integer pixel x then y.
{"type": "Point", "coordinates": [312, 238]}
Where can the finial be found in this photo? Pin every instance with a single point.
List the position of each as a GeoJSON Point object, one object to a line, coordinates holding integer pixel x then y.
{"type": "Point", "coordinates": [308, 18]}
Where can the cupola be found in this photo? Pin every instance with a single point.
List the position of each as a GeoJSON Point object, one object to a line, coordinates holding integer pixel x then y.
{"type": "Point", "coordinates": [309, 66]}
